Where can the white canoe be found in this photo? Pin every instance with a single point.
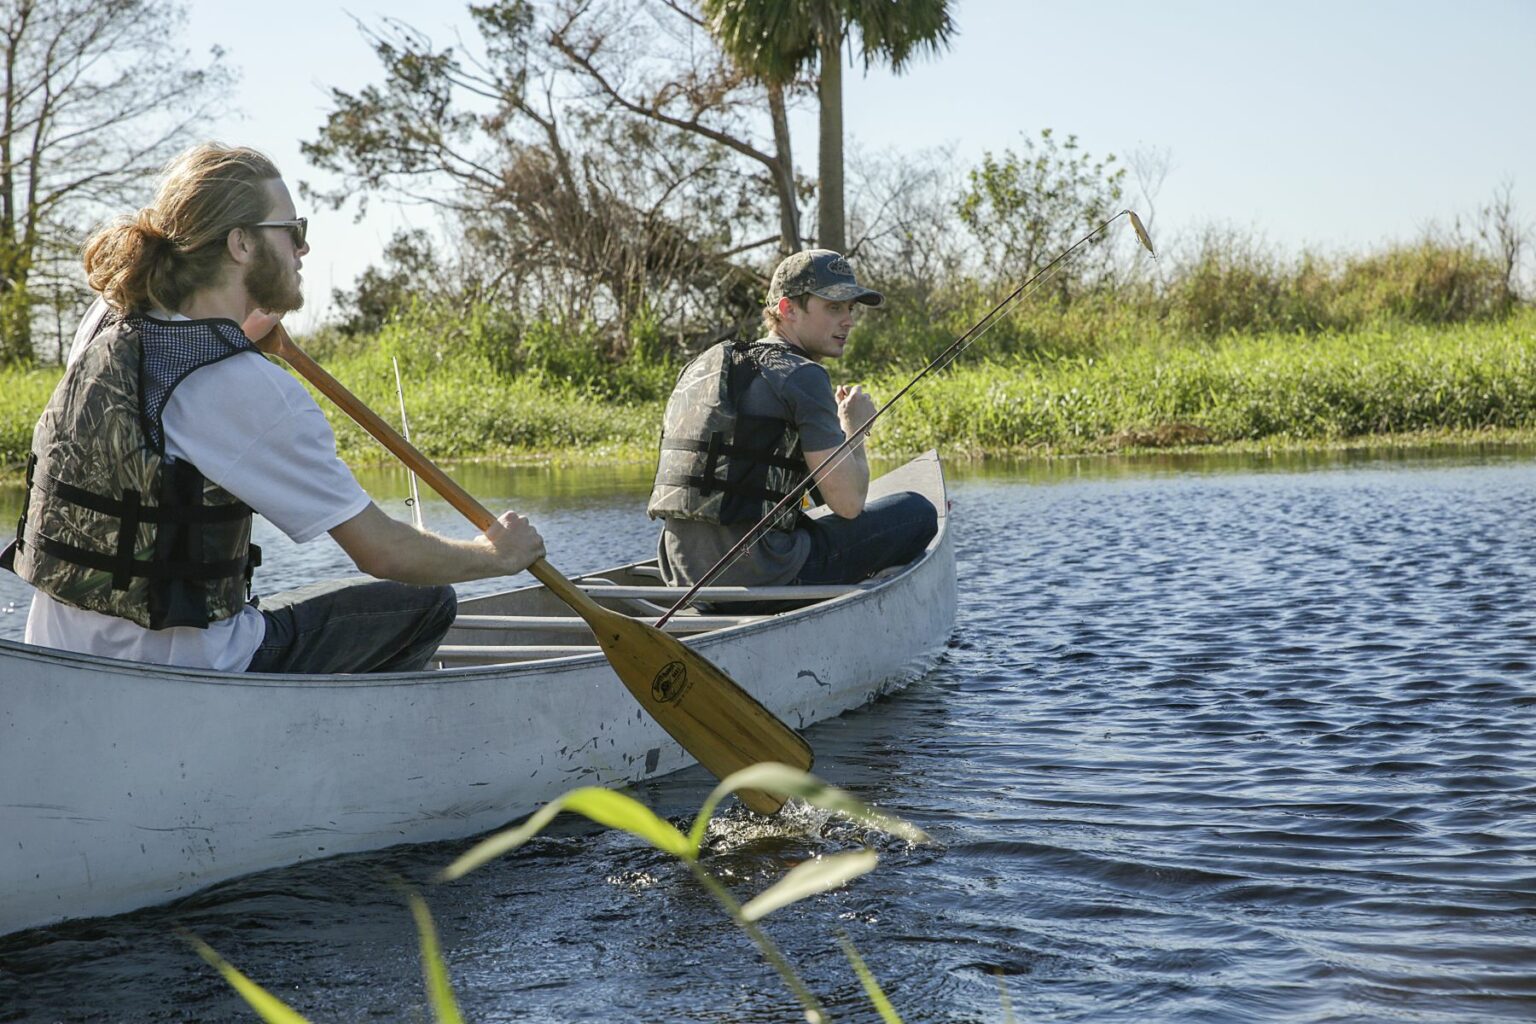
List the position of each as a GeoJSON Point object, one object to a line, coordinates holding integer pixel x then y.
{"type": "Point", "coordinates": [124, 785]}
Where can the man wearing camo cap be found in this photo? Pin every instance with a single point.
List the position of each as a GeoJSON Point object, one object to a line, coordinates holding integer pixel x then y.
{"type": "Point", "coordinates": [747, 422]}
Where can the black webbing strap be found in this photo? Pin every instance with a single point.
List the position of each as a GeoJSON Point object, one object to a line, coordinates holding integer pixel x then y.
{"type": "Point", "coordinates": [26, 500]}
{"type": "Point", "coordinates": [252, 563]}
{"type": "Point", "coordinates": [166, 570]}
{"type": "Point", "coordinates": [8, 556]}
{"type": "Point", "coordinates": [159, 514]}
{"type": "Point", "coordinates": [127, 538]}
{"type": "Point", "coordinates": [712, 459]}
{"type": "Point", "coordinates": [724, 486]}
{"type": "Point", "coordinates": [762, 455]}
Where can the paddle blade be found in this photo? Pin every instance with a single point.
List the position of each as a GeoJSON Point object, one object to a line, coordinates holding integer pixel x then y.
{"type": "Point", "coordinates": [701, 707]}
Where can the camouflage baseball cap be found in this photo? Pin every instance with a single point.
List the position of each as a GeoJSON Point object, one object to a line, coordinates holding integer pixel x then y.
{"type": "Point", "coordinates": [819, 272]}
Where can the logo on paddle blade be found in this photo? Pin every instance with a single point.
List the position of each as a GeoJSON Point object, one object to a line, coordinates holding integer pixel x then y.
{"type": "Point", "coordinates": [671, 683]}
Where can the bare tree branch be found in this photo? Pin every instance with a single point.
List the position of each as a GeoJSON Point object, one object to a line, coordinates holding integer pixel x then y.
{"type": "Point", "coordinates": [92, 102]}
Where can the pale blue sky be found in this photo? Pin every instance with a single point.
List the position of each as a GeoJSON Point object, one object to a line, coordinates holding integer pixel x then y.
{"type": "Point", "coordinates": [1337, 125]}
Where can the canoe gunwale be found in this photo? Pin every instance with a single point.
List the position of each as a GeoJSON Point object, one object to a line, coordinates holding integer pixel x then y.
{"type": "Point", "coordinates": [700, 641]}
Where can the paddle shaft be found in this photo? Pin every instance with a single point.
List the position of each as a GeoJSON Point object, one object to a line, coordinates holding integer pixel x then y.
{"type": "Point", "coordinates": [280, 344]}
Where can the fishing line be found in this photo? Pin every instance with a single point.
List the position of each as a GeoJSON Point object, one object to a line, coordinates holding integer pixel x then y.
{"type": "Point", "coordinates": [943, 359]}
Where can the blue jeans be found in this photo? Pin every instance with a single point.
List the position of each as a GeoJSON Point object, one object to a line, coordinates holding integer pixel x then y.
{"type": "Point", "coordinates": [356, 625]}
{"type": "Point", "coordinates": [891, 530]}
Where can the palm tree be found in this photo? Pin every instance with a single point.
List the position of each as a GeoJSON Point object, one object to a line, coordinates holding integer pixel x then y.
{"type": "Point", "coordinates": [775, 40]}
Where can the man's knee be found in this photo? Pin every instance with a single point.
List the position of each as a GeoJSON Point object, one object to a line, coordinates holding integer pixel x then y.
{"type": "Point", "coordinates": [432, 607]}
{"type": "Point", "coordinates": [930, 515]}
{"type": "Point", "coordinates": [922, 522]}
{"type": "Point", "coordinates": [442, 607]}
{"type": "Point", "coordinates": [925, 518]}
{"type": "Point", "coordinates": [437, 605]}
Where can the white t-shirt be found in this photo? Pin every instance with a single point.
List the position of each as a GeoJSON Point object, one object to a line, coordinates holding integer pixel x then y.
{"type": "Point", "coordinates": [251, 428]}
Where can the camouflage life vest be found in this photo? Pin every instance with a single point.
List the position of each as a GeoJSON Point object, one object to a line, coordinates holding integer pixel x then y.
{"type": "Point", "coordinates": [108, 523]}
{"type": "Point", "coordinates": [717, 465]}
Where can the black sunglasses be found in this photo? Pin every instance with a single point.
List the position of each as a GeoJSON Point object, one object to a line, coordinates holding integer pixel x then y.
{"type": "Point", "coordinates": [297, 229]}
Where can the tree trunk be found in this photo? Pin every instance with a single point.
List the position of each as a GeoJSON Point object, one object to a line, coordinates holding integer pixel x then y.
{"type": "Point", "coordinates": [830, 231]}
{"type": "Point", "coordinates": [15, 324]}
{"type": "Point", "coordinates": [784, 174]}
{"type": "Point", "coordinates": [15, 319]}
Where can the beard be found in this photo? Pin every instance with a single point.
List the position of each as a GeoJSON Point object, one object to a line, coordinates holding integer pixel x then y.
{"type": "Point", "coordinates": [271, 281]}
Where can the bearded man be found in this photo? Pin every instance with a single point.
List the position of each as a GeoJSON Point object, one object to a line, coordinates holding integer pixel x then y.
{"type": "Point", "coordinates": [169, 430]}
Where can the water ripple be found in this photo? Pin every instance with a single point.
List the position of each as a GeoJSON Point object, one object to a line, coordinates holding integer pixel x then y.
{"type": "Point", "coordinates": [1207, 746]}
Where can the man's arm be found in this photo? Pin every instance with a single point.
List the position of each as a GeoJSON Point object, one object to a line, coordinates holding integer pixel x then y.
{"type": "Point", "coordinates": [845, 486]}
{"type": "Point", "coordinates": [390, 549]}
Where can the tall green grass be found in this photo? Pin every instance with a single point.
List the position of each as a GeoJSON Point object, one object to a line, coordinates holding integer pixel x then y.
{"type": "Point", "coordinates": [461, 407]}
{"type": "Point", "coordinates": [1284, 388]}
{"type": "Point", "coordinates": [480, 383]}
{"type": "Point", "coordinates": [1143, 383]}
{"type": "Point", "coordinates": [461, 402]}
{"type": "Point", "coordinates": [23, 393]}
{"type": "Point", "coordinates": [1231, 285]}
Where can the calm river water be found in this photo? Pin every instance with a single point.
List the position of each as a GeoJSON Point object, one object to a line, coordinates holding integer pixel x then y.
{"type": "Point", "coordinates": [1215, 740]}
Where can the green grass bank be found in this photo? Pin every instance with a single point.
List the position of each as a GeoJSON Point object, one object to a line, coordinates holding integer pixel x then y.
{"type": "Point", "coordinates": [1279, 389]}
{"type": "Point", "coordinates": [1154, 389]}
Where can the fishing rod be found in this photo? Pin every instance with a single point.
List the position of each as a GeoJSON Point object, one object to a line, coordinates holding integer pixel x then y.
{"type": "Point", "coordinates": [405, 431]}
{"type": "Point", "coordinates": [938, 362]}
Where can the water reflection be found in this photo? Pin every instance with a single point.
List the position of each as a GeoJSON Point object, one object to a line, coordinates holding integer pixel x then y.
{"type": "Point", "coordinates": [592, 516]}
{"type": "Point", "coordinates": [547, 485]}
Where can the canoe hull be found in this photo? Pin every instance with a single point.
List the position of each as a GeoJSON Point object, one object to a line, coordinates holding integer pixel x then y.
{"type": "Point", "coordinates": [123, 785]}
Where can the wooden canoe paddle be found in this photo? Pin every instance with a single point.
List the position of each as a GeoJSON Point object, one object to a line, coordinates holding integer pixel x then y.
{"type": "Point", "coordinates": [723, 726]}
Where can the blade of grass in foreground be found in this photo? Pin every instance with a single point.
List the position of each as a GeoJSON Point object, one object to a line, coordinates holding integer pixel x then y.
{"type": "Point", "coordinates": [271, 1009]}
{"type": "Point", "coordinates": [445, 1009]}
{"type": "Point", "coordinates": [603, 806]}
{"type": "Point", "coordinates": [616, 810]}
{"type": "Point", "coordinates": [785, 780]}
{"type": "Point", "coordinates": [1007, 1000]}
{"type": "Point", "coordinates": [808, 879]}
{"type": "Point", "coordinates": [871, 986]}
